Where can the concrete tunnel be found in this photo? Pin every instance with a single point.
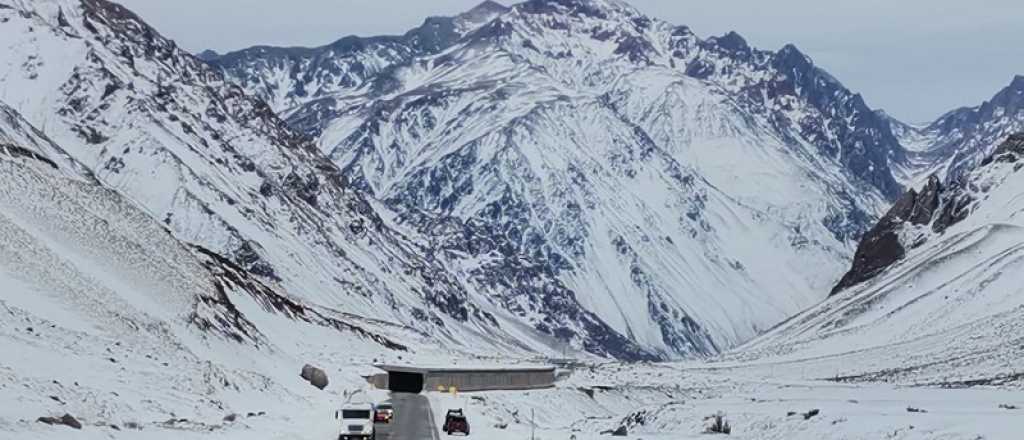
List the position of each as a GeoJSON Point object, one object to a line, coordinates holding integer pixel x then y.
{"type": "Point", "coordinates": [409, 379]}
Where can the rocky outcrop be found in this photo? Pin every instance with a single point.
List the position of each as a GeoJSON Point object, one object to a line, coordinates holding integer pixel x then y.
{"type": "Point", "coordinates": [937, 206]}
{"type": "Point", "coordinates": [1010, 151]}
{"type": "Point", "coordinates": [881, 246]}
{"type": "Point", "coordinates": [66, 420]}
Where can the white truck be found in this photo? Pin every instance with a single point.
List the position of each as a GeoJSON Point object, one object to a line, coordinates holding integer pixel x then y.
{"type": "Point", "coordinates": [356, 421]}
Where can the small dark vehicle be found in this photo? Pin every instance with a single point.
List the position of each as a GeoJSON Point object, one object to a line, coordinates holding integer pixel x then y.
{"type": "Point", "coordinates": [385, 413]}
{"type": "Point", "coordinates": [455, 421]}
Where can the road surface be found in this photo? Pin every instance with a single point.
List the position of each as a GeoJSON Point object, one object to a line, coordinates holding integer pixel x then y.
{"type": "Point", "coordinates": [413, 419]}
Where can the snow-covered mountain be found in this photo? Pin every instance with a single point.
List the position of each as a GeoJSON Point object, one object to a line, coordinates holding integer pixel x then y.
{"type": "Point", "coordinates": [679, 187]}
{"type": "Point", "coordinates": [223, 172]}
{"type": "Point", "coordinates": [959, 140]}
{"type": "Point", "coordinates": [555, 172]}
{"type": "Point", "coordinates": [308, 86]}
{"type": "Point", "coordinates": [300, 83]}
{"type": "Point", "coordinates": [933, 296]}
{"type": "Point", "coordinates": [108, 316]}
{"type": "Point", "coordinates": [513, 181]}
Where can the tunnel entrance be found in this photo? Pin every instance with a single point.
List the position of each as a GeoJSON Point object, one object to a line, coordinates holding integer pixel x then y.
{"type": "Point", "coordinates": [415, 380]}
{"type": "Point", "coordinates": [405, 382]}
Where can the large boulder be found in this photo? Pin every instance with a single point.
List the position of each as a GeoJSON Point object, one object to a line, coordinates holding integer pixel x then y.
{"type": "Point", "coordinates": [307, 371]}
{"type": "Point", "coordinates": [315, 376]}
{"type": "Point", "coordinates": [319, 379]}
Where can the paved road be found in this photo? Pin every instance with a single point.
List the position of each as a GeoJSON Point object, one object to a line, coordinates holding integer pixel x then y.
{"type": "Point", "coordinates": [413, 419]}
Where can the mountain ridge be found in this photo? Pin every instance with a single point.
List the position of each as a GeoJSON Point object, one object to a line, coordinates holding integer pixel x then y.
{"type": "Point", "coordinates": [960, 139]}
{"type": "Point", "coordinates": [543, 163]}
{"type": "Point", "coordinates": [465, 132]}
{"type": "Point", "coordinates": [564, 182]}
{"type": "Point", "coordinates": [221, 170]}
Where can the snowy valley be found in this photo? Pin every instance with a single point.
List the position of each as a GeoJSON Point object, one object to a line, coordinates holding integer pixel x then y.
{"type": "Point", "coordinates": [700, 225]}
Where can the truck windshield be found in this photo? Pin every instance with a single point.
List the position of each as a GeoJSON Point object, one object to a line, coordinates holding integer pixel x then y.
{"type": "Point", "coordinates": [355, 414]}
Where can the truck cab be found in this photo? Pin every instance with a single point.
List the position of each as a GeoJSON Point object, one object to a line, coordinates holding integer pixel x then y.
{"type": "Point", "coordinates": [356, 421]}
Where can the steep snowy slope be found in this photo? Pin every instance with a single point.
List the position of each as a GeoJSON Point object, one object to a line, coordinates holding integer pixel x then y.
{"type": "Point", "coordinates": [223, 172]}
{"type": "Point", "coordinates": [678, 186]}
{"type": "Point", "coordinates": [20, 139]}
{"type": "Point", "coordinates": [106, 316]}
{"type": "Point", "coordinates": [934, 295]}
{"type": "Point", "coordinates": [158, 126]}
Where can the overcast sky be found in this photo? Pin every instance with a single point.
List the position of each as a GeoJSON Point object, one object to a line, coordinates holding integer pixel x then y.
{"type": "Point", "coordinates": [914, 58]}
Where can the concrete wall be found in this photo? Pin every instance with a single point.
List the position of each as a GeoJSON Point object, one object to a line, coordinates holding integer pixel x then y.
{"type": "Point", "coordinates": [489, 380]}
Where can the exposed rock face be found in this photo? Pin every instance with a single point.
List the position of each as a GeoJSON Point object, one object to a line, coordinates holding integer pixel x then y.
{"type": "Point", "coordinates": [66, 420]}
{"type": "Point", "coordinates": [937, 206]}
{"type": "Point", "coordinates": [1010, 151]}
{"type": "Point", "coordinates": [882, 245]}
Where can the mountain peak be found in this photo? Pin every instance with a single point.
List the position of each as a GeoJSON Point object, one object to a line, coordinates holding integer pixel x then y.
{"type": "Point", "coordinates": [488, 6]}
{"type": "Point", "coordinates": [790, 49]}
{"type": "Point", "coordinates": [1010, 98]}
{"type": "Point", "coordinates": [1017, 83]}
{"type": "Point", "coordinates": [593, 8]}
{"type": "Point", "coordinates": [732, 41]}
{"type": "Point", "coordinates": [482, 13]}
{"type": "Point", "coordinates": [793, 56]}
{"type": "Point", "coordinates": [208, 54]}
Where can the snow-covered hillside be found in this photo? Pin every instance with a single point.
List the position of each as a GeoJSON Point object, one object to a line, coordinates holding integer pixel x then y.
{"type": "Point", "coordinates": [678, 187]}
{"type": "Point", "coordinates": [223, 172]}
{"type": "Point", "coordinates": [105, 315]}
{"type": "Point", "coordinates": [933, 296]}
